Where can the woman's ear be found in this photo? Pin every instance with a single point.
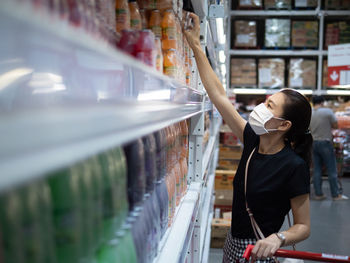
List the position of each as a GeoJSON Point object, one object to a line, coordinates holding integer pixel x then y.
{"type": "Point", "coordinates": [285, 126]}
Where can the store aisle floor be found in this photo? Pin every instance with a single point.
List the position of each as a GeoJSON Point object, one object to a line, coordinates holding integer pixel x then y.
{"type": "Point", "coordinates": [330, 226]}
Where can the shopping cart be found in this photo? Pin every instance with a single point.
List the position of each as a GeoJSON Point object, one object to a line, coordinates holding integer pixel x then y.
{"type": "Point", "coordinates": [283, 253]}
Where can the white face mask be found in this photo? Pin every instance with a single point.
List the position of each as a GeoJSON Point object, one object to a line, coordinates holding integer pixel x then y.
{"type": "Point", "coordinates": [258, 118]}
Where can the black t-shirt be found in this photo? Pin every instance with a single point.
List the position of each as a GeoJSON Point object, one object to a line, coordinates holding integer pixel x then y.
{"type": "Point", "coordinates": [272, 181]}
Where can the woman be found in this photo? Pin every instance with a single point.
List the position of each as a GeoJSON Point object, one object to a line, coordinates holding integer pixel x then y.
{"type": "Point", "coordinates": [277, 136]}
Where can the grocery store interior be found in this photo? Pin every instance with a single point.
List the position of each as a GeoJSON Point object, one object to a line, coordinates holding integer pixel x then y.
{"type": "Point", "coordinates": [110, 147]}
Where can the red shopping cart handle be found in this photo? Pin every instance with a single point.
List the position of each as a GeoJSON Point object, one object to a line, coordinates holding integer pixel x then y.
{"type": "Point", "coordinates": [283, 253]}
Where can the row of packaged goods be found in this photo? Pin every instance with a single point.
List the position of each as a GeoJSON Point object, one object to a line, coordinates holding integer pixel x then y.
{"type": "Point", "coordinates": [112, 207]}
{"type": "Point", "coordinates": [289, 4]}
{"type": "Point", "coordinates": [150, 31]}
{"type": "Point", "coordinates": [229, 156]}
{"type": "Point", "coordinates": [286, 33]}
{"type": "Point", "coordinates": [270, 72]}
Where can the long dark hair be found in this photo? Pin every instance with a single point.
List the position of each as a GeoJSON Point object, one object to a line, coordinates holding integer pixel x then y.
{"type": "Point", "coordinates": [297, 109]}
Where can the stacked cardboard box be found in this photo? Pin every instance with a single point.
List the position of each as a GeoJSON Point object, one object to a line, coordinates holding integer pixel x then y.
{"type": "Point", "coordinates": [243, 72]}
{"type": "Point", "coordinates": [219, 230]}
{"type": "Point", "coordinates": [250, 3]}
{"type": "Point", "coordinates": [245, 33]}
{"type": "Point", "coordinates": [277, 4]}
{"type": "Point", "coordinates": [337, 4]}
{"type": "Point", "coordinates": [271, 73]}
{"type": "Point", "coordinates": [277, 33]}
{"type": "Point", "coordinates": [305, 34]}
{"type": "Point", "coordinates": [305, 4]}
{"type": "Point", "coordinates": [302, 73]}
{"type": "Point", "coordinates": [337, 33]}
{"type": "Point", "coordinates": [325, 74]}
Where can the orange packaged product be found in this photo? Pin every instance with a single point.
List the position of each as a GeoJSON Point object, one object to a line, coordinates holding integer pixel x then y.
{"type": "Point", "coordinates": [144, 21]}
{"type": "Point", "coordinates": [159, 56]}
{"type": "Point", "coordinates": [164, 4]}
{"type": "Point", "coordinates": [122, 13]}
{"type": "Point", "coordinates": [155, 23]}
{"type": "Point", "coordinates": [179, 185]}
{"type": "Point", "coordinates": [170, 64]}
{"type": "Point", "coordinates": [168, 30]}
{"type": "Point", "coordinates": [170, 183]}
{"type": "Point", "coordinates": [135, 16]}
{"type": "Point", "coordinates": [184, 170]}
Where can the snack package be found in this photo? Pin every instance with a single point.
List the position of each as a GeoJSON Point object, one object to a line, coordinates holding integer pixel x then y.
{"type": "Point", "coordinates": [271, 73]}
{"type": "Point", "coordinates": [245, 33]}
{"type": "Point", "coordinates": [305, 3]}
{"type": "Point", "coordinates": [243, 72]}
{"type": "Point", "coordinates": [278, 4]}
{"type": "Point", "coordinates": [250, 3]}
{"type": "Point", "coordinates": [277, 33]}
{"type": "Point", "coordinates": [302, 73]}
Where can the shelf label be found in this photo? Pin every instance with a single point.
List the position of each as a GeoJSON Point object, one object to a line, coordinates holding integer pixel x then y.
{"type": "Point", "coordinates": [301, 3]}
{"type": "Point", "coordinates": [296, 82]}
{"type": "Point", "coordinates": [265, 75]}
{"type": "Point", "coordinates": [339, 65]}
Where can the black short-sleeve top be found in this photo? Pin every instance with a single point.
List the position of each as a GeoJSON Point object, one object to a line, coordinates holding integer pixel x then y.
{"type": "Point", "coordinates": [272, 181]}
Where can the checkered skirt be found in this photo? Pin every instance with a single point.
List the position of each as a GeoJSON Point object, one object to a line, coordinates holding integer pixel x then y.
{"type": "Point", "coordinates": [235, 247]}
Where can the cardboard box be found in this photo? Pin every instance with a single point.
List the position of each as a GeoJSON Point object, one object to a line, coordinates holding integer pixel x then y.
{"type": "Point", "coordinates": [277, 33]}
{"type": "Point", "coordinates": [302, 73]}
{"type": "Point", "coordinates": [219, 229]}
{"type": "Point", "coordinates": [224, 197]}
{"type": "Point", "coordinates": [243, 72]}
{"type": "Point", "coordinates": [227, 164]}
{"type": "Point", "coordinates": [228, 139]}
{"type": "Point", "coordinates": [277, 4]}
{"type": "Point", "coordinates": [271, 73]}
{"type": "Point", "coordinates": [230, 152]}
{"type": "Point", "coordinates": [305, 34]}
{"type": "Point", "coordinates": [224, 179]}
{"type": "Point", "coordinates": [245, 33]}
{"type": "Point", "coordinates": [250, 3]}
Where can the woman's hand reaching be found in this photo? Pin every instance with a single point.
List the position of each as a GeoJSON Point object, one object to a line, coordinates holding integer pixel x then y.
{"type": "Point", "coordinates": [192, 31]}
{"type": "Point", "coordinates": [265, 248]}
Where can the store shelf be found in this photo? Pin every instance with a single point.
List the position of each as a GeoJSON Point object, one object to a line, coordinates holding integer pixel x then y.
{"type": "Point", "coordinates": [65, 95]}
{"type": "Point", "coordinates": [336, 12]}
{"type": "Point", "coordinates": [237, 13]}
{"type": "Point", "coordinates": [180, 233]}
{"type": "Point", "coordinates": [279, 53]}
{"type": "Point", "coordinates": [200, 7]}
{"type": "Point", "coordinates": [206, 248]}
{"type": "Point", "coordinates": [266, 91]}
{"type": "Point", "coordinates": [210, 147]}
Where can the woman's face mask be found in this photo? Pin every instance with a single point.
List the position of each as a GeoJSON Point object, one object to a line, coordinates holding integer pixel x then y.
{"type": "Point", "coordinates": [259, 117]}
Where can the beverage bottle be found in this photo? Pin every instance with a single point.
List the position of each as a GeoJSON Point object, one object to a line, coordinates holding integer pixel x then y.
{"type": "Point", "coordinates": [135, 16]}
{"type": "Point", "coordinates": [151, 209]}
{"type": "Point", "coordinates": [65, 196]}
{"type": "Point", "coordinates": [11, 212]}
{"type": "Point", "coordinates": [156, 235]}
{"type": "Point", "coordinates": [31, 229]}
{"type": "Point", "coordinates": [75, 10]}
{"type": "Point", "coordinates": [134, 153]}
{"type": "Point", "coordinates": [122, 14]}
{"type": "Point", "coordinates": [144, 21]}
{"type": "Point", "coordinates": [170, 183]}
{"type": "Point", "coordinates": [46, 222]}
{"type": "Point", "coordinates": [164, 4]}
{"type": "Point", "coordinates": [109, 253]}
{"type": "Point", "coordinates": [163, 200]}
{"type": "Point", "coordinates": [168, 25]}
{"type": "Point", "coordinates": [159, 56]}
{"type": "Point", "coordinates": [145, 48]}
{"type": "Point", "coordinates": [138, 231]}
{"type": "Point", "coordinates": [128, 41]}
{"type": "Point", "coordinates": [142, 4]}
{"type": "Point", "coordinates": [170, 63]}
{"type": "Point", "coordinates": [163, 155]}
{"type": "Point", "coordinates": [155, 23]}
{"type": "Point", "coordinates": [184, 170]}
{"type": "Point", "coordinates": [150, 162]}
{"type": "Point", "coordinates": [151, 4]}
{"type": "Point", "coordinates": [184, 136]}
{"type": "Point", "coordinates": [126, 247]}
{"type": "Point", "coordinates": [83, 175]}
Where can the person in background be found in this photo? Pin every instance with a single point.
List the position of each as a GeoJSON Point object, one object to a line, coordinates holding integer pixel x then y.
{"type": "Point", "coordinates": [323, 121]}
{"type": "Point", "coordinates": [276, 154]}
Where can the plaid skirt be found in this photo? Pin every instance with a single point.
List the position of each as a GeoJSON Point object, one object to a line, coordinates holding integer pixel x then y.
{"type": "Point", "coordinates": [235, 247]}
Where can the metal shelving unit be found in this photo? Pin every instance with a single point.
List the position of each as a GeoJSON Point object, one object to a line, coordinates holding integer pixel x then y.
{"type": "Point", "coordinates": [66, 96]}
{"type": "Point", "coordinates": [317, 14]}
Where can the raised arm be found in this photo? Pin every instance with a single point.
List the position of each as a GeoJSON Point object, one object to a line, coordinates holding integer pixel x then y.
{"type": "Point", "coordinates": [211, 82]}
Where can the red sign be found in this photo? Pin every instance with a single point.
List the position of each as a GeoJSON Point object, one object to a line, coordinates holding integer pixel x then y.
{"type": "Point", "coordinates": [339, 75]}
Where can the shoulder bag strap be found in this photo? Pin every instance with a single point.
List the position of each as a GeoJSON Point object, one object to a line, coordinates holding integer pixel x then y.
{"type": "Point", "coordinates": [257, 231]}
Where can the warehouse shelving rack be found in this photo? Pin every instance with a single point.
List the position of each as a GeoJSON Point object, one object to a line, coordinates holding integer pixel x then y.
{"type": "Point", "coordinates": [320, 53]}
{"type": "Point", "coordinates": [65, 96]}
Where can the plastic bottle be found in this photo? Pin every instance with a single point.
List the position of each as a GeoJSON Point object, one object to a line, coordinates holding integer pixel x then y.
{"type": "Point", "coordinates": [170, 63]}
{"type": "Point", "coordinates": [184, 136]}
{"type": "Point", "coordinates": [150, 162]}
{"type": "Point", "coordinates": [136, 173]}
{"type": "Point", "coordinates": [126, 247]}
{"type": "Point", "coordinates": [139, 232]}
{"type": "Point", "coordinates": [65, 195]}
{"type": "Point", "coordinates": [11, 212]}
{"type": "Point", "coordinates": [163, 200]}
{"type": "Point", "coordinates": [128, 41]}
{"type": "Point", "coordinates": [164, 4]}
{"type": "Point", "coordinates": [145, 48]}
{"type": "Point", "coordinates": [135, 16]}
{"type": "Point", "coordinates": [184, 170]}
{"type": "Point", "coordinates": [144, 21]}
{"type": "Point", "coordinates": [155, 23]}
{"type": "Point", "coordinates": [109, 253]}
{"type": "Point", "coordinates": [122, 15]}
{"type": "Point", "coordinates": [170, 183]}
{"type": "Point", "coordinates": [168, 30]}
{"type": "Point", "coordinates": [159, 56]}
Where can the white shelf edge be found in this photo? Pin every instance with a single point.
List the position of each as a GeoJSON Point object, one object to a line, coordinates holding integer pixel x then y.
{"type": "Point", "coordinates": [273, 13]}
{"type": "Point", "coordinates": [206, 248]}
{"type": "Point", "coordinates": [180, 229]}
{"type": "Point", "coordinates": [252, 52]}
{"type": "Point", "coordinates": [330, 92]}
